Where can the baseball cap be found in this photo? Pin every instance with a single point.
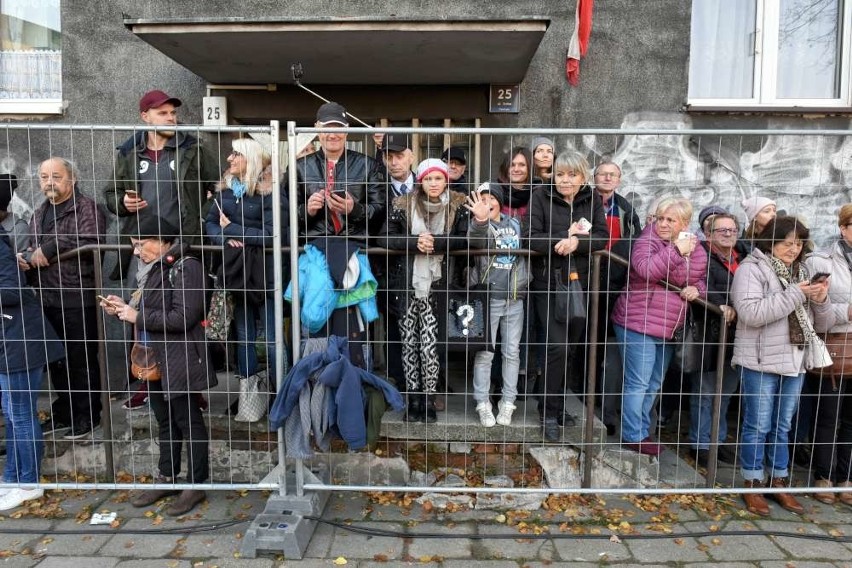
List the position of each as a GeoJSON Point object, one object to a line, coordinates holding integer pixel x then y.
{"type": "Point", "coordinates": [397, 142]}
{"type": "Point", "coordinates": [332, 113]}
{"type": "Point", "coordinates": [156, 98]}
{"type": "Point", "coordinates": [454, 153]}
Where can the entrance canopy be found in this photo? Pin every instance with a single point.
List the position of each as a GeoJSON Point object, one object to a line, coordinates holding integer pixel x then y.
{"type": "Point", "coordinates": [349, 52]}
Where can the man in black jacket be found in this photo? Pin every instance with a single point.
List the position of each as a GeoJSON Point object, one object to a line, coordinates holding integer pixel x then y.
{"type": "Point", "coordinates": [724, 253]}
{"type": "Point", "coordinates": [624, 228]}
{"type": "Point", "coordinates": [339, 190]}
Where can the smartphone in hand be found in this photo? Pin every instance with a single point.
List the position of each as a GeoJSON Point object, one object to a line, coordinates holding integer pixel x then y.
{"type": "Point", "coordinates": [819, 277]}
{"type": "Point", "coordinates": [107, 301]}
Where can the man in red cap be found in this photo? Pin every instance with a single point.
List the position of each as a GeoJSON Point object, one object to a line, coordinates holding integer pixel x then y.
{"type": "Point", "coordinates": [160, 173]}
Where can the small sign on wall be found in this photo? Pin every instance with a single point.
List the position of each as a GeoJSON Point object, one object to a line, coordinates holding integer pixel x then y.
{"type": "Point", "coordinates": [505, 98]}
{"type": "Point", "coordinates": [215, 111]}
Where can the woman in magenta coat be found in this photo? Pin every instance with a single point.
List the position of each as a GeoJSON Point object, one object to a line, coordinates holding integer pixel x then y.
{"type": "Point", "coordinates": [647, 314]}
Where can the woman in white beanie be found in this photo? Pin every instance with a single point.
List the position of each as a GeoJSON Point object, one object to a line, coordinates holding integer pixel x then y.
{"type": "Point", "coordinates": [426, 223]}
{"type": "Point", "coordinates": [760, 211]}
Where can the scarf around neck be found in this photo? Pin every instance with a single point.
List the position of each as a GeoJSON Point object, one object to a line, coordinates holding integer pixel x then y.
{"type": "Point", "coordinates": [801, 329]}
{"type": "Point", "coordinates": [427, 267]}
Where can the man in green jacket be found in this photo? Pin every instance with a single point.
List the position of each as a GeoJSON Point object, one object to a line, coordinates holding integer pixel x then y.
{"type": "Point", "coordinates": [160, 173]}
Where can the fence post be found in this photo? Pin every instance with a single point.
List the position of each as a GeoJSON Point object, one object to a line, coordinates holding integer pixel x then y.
{"type": "Point", "coordinates": [592, 362]}
{"type": "Point", "coordinates": [717, 402]}
{"type": "Point", "coordinates": [106, 416]}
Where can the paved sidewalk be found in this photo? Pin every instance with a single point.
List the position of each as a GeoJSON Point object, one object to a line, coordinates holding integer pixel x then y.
{"type": "Point", "coordinates": [571, 530]}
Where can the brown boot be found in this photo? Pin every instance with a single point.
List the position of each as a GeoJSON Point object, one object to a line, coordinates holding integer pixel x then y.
{"type": "Point", "coordinates": [151, 496]}
{"type": "Point", "coordinates": [755, 502]}
{"type": "Point", "coordinates": [845, 497]}
{"type": "Point", "coordinates": [186, 502]}
{"type": "Point", "coordinates": [786, 500]}
{"type": "Point", "coordinates": [824, 497]}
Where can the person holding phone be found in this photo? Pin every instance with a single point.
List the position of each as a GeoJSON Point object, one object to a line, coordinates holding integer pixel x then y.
{"type": "Point", "coordinates": [168, 318]}
{"type": "Point", "coordinates": [778, 311]}
{"type": "Point", "coordinates": [832, 436]}
{"type": "Point", "coordinates": [647, 314]}
{"type": "Point", "coordinates": [241, 222]}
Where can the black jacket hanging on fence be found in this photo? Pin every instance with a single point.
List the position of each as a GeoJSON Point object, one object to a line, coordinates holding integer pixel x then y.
{"type": "Point", "coordinates": [243, 271]}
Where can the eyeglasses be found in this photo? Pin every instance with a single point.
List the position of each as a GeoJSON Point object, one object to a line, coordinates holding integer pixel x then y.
{"type": "Point", "coordinates": [724, 231]}
{"type": "Point", "coordinates": [608, 174]}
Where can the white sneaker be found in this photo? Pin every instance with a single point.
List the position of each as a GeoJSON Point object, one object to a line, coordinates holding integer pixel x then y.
{"type": "Point", "coordinates": [504, 414]}
{"type": "Point", "coordinates": [486, 416]}
{"type": "Point", "coordinates": [17, 497]}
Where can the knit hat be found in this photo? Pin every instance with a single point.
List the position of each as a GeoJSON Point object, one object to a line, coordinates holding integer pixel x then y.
{"type": "Point", "coordinates": [753, 205]}
{"type": "Point", "coordinates": [541, 140]}
{"type": "Point", "coordinates": [8, 183]}
{"type": "Point", "coordinates": [153, 227]}
{"type": "Point", "coordinates": [431, 165]}
{"type": "Point", "coordinates": [709, 211]}
{"type": "Point", "coordinates": [493, 189]}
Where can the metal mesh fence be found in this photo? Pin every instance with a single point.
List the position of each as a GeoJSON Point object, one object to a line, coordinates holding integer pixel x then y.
{"type": "Point", "coordinates": [487, 357]}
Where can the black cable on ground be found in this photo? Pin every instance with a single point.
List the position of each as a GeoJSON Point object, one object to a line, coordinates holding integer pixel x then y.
{"type": "Point", "coordinates": [122, 530]}
{"type": "Point", "coordinates": [547, 536]}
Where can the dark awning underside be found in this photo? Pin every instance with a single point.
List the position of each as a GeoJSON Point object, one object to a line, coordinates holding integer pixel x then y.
{"type": "Point", "coordinates": [349, 52]}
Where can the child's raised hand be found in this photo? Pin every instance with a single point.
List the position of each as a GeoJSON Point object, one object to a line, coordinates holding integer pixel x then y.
{"type": "Point", "coordinates": [478, 206]}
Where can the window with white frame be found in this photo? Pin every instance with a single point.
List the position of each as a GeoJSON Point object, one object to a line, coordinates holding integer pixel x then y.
{"type": "Point", "coordinates": [30, 57]}
{"type": "Point", "coordinates": [771, 53]}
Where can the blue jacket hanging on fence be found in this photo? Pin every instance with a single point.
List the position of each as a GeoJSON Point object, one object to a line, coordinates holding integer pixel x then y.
{"type": "Point", "coordinates": [336, 398]}
{"type": "Point", "coordinates": [318, 295]}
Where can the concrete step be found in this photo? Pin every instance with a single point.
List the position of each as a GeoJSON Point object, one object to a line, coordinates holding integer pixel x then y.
{"type": "Point", "coordinates": [459, 422]}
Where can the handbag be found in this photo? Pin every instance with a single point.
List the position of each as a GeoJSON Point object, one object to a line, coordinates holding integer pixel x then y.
{"type": "Point", "coordinates": [467, 317]}
{"type": "Point", "coordinates": [689, 346]}
{"type": "Point", "coordinates": [254, 398]}
{"type": "Point", "coordinates": [840, 350]}
{"type": "Point", "coordinates": [143, 361]}
{"type": "Point", "coordinates": [569, 305]}
{"type": "Point", "coordinates": [219, 316]}
{"type": "Point", "coordinates": [817, 355]}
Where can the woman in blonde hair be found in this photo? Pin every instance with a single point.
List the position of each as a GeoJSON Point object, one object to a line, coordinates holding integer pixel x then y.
{"type": "Point", "coordinates": [647, 314]}
{"type": "Point", "coordinates": [241, 218]}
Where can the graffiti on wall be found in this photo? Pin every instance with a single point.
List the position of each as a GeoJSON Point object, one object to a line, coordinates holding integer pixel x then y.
{"type": "Point", "coordinates": [808, 176]}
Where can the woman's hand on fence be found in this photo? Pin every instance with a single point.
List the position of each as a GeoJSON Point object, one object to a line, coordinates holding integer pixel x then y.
{"type": "Point", "coordinates": [729, 313]}
{"type": "Point", "coordinates": [566, 246]}
{"type": "Point", "coordinates": [690, 293]}
{"type": "Point", "coordinates": [426, 243]}
{"type": "Point", "coordinates": [477, 205]}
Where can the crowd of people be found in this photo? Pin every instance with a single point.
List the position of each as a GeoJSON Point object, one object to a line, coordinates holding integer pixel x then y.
{"type": "Point", "coordinates": [777, 297]}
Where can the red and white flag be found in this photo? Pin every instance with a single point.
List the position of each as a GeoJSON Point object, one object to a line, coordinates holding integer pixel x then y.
{"type": "Point", "coordinates": [579, 40]}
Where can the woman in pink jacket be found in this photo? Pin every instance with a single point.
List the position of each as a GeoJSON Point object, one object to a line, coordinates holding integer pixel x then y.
{"type": "Point", "coordinates": [647, 314]}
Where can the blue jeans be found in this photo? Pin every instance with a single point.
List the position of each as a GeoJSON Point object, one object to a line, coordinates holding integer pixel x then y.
{"type": "Point", "coordinates": [509, 316]}
{"type": "Point", "coordinates": [646, 359]}
{"type": "Point", "coordinates": [769, 403]}
{"type": "Point", "coordinates": [24, 443]}
{"type": "Point", "coordinates": [701, 405]}
{"type": "Point", "coordinates": [245, 319]}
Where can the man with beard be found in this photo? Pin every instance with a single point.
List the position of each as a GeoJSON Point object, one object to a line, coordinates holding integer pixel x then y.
{"type": "Point", "coordinates": [66, 220]}
{"type": "Point", "coordinates": [160, 173]}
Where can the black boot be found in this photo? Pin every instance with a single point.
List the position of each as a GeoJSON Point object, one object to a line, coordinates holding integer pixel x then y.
{"type": "Point", "coordinates": [431, 414]}
{"type": "Point", "coordinates": [414, 408]}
